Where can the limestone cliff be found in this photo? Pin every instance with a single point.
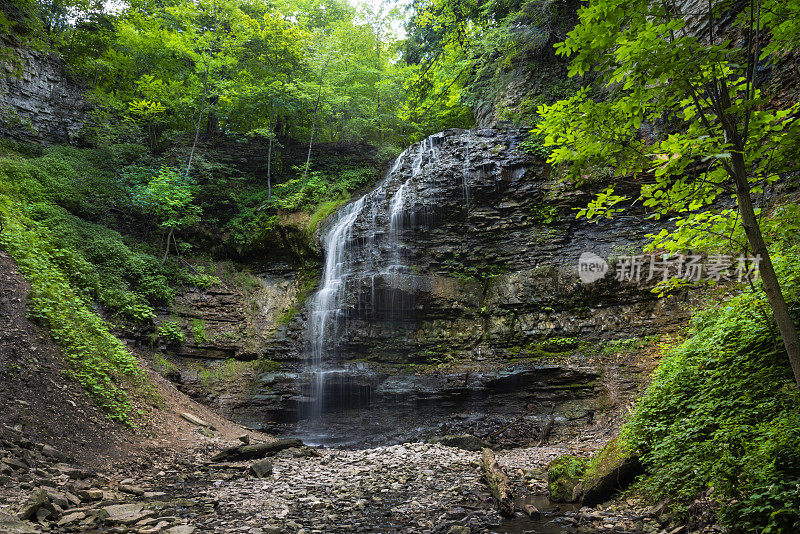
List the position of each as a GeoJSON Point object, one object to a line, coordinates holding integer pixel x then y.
{"type": "Point", "coordinates": [38, 99]}
{"type": "Point", "coordinates": [456, 282]}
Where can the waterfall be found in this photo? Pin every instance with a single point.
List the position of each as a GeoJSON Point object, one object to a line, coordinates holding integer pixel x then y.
{"type": "Point", "coordinates": [348, 262]}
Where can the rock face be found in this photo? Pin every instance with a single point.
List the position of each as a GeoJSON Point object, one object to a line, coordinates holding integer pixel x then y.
{"type": "Point", "coordinates": [472, 248]}
{"type": "Point", "coordinates": [449, 303]}
{"type": "Point", "coordinates": [453, 286]}
{"type": "Point", "coordinates": [38, 100]}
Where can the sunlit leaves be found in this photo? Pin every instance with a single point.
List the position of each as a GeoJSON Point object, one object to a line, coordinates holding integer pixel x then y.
{"type": "Point", "coordinates": [658, 73]}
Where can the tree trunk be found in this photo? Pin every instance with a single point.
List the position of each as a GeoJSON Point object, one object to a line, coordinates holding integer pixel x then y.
{"type": "Point", "coordinates": [269, 151]}
{"type": "Point", "coordinates": [166, 249]}
{"type": "Point", "coordinates": [498, 483]}
{"type": "Point", "coordinates": [199, 122]}
{"type": "Point", "coordinates": [313, 128]}
{"type": "Point", "coordinates": [768, 277]}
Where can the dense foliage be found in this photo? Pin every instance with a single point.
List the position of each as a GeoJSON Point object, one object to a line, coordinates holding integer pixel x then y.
{"type": "Point", "coordinates": [165, 72]}
{"type": "Point", "coordinates": [722, 413]}
{"type": "Point", "coordinates": [465, 56]}
{"type": "Point", "coordinates": [100, 362]}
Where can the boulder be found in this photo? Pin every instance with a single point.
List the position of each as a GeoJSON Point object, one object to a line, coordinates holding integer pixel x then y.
{"type": "Point", "coordinates": [119, 512]}
{"type": "Point", "coordinates": [91, 494]}
{"type": "Point", "coordinates": [131, 489]}
{"type": "Point", "coordinates": [261, 469]}
{"type": "Point", "coordinates": [36, 501]}
{"type": "Point", "coordinates": [563, 475]}
{"type": "Point", "coordinates": [71, 518]}
{"type": "Point", "coordinates": [11, 525]}
{"type": "Point", "coordinates": [616, 466]}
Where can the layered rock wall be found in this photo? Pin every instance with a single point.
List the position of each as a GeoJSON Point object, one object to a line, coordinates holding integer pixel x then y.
{"type": "Point", "coordinates": [38, 100]}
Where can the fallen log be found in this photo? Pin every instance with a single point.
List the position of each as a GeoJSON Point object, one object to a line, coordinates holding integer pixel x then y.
{"type": "Point", "coordinates": [255, 451]}
{"type": "Point", "coordinates": [498, 483]}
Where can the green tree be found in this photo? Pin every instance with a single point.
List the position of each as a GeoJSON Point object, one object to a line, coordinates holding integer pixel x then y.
{"type": "Point", "coordinates": [168, 197]}
{"type": "Point", "coordinates": [722, 138]}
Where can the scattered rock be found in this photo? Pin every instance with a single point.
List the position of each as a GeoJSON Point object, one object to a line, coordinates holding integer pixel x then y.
{"type": "Point", "coordinates": [261, 469]}
{"type": "Point", "coordinates": [32, 505]}
{"type": "Point", "coordinates": [71, 518]}
{"type": "Point", "coordinates": [117, 512]}
{"type": "Point", "coordinates": [11, 525]}
{"type": "Point", "coordinates": [130, 489]}
{"type": "Point", "coordinates": [91, 494]}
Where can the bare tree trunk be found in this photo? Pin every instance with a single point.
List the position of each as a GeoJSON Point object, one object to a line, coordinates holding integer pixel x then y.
{"type": "Point", "coordinates": [498, 483]}
{"type": "Point", "coordinates": [768, 277]}
{"type": "Point", "coordinates": [166, 249]}
{"type": "Point", "coordinates": [269, 150]}
{"type": "Point", "coordinates": [199, 122]}
{"type": "Point", "coordinates": [313, 128]}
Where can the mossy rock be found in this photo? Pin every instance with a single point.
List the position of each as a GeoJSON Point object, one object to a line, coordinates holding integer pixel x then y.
{"type": "Point", "coordinates": [612, 469]}
{"type": "Point", "coordinates": [563, 474]}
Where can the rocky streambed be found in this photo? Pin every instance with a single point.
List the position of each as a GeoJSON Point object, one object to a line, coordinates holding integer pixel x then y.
{"type": "Point", "coordinates": [408, 488]}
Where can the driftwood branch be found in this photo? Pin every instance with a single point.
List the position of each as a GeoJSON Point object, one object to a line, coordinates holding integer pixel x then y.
{"type": "Point", "coordinates": [498, 483]}
{"type": "Point", "coordinates": [546, 432]}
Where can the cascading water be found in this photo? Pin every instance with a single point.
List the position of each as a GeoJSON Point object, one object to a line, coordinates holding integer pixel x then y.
{"type": "Point", "coordinates": [330, 382]}
{"type": "Point", "coordinates": [326, 304]}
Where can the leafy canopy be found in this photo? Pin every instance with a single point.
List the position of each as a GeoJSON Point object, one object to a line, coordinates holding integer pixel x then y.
{"type": "Point", "coordinates": [674, 108]}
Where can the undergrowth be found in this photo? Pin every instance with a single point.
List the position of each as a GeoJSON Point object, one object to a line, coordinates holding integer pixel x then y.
{"type": "Point", "coordinates": [723, 412]}
{"type": "Point", "coordinates": [98, 360]}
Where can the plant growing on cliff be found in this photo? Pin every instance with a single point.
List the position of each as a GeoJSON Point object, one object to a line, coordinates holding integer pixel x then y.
{"type": "Point", "coordinates": [171, 332]}
{"type": "Point", "coordinates": [724, 138]}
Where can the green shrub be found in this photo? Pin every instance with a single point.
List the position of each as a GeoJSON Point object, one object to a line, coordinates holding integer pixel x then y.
{"type": "Point", "coordinates": [388, 153]}
{"type": "Point", "coordinates": [204, 281]}
{"type": "Point", "coordinates": [723, 412]}
{"type": "Point", "coordinates": [171, 332]}
{"type": "Point", "coordinates": [125, 281]}
{"type": "Point", "coordinates": [199, 331]}
{"type": "Point", "coordinates": [535, 148]}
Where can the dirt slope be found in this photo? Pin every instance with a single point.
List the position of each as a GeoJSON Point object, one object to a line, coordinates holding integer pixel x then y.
{"type": "Point", "coordinates": [39, 400]}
